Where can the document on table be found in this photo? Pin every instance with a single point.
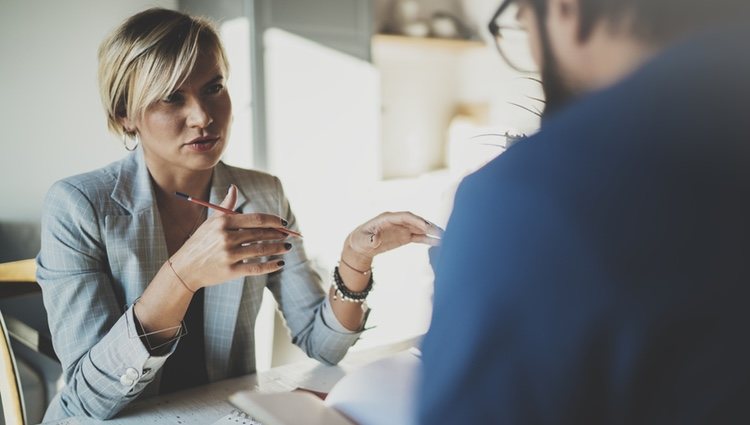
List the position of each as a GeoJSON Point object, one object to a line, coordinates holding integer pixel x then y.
{"type": "Point", "coordinates": [73, 421]}
{"type": "Point", "coordinates": [237, 417]}
{"type": "Point", "coordinates": [310, 375]}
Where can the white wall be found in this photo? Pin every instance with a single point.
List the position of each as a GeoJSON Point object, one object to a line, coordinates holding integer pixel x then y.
{"type": "Point", "coordinates": [419, 96]}
{"type": "Point", "coordinates": [323, 111]}
{"type": "Point", "coordinates": [423, 85]}
{"type": "Point", "coordinates": [51, 121]}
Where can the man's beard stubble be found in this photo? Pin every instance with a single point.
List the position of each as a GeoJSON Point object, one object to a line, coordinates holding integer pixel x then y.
{"type": "Point", "coordinates": [556, 94]}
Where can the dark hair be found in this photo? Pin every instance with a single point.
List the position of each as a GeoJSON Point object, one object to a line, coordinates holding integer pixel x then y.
{"type": "Point", "coordinates": [656, 21]}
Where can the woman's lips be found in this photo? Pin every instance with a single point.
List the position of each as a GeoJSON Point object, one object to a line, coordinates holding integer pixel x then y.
{"type": "Point", "coordinates": [203, 144]}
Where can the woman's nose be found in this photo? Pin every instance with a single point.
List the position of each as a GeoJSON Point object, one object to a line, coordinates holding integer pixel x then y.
{"type": "Point", "coordinates": [198, 114]}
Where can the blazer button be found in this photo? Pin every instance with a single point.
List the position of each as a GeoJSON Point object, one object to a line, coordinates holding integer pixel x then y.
{"type": "Point", "coordinates": [130, 377]}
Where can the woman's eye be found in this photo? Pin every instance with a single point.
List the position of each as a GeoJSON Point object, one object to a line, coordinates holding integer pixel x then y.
{"type": "Point", "coordinates": [216, 88]}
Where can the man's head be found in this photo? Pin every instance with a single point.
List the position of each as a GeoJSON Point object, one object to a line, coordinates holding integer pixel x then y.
{"type": "Point", "coordinates": [583, 45]}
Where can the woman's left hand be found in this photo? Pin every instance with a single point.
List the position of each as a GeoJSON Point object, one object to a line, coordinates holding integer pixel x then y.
{"type": "Point", "coordinates": [391, 230]}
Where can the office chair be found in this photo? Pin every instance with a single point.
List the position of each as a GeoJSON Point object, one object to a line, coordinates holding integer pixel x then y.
{"type": "Point", "coordinates": [16, 278]}
{"type": "Point", "coordinates": [14, 411]}
{"type": "Point", "coordinates": [17, 272]}
{"type": "Point", "coordinates": [19, 278]}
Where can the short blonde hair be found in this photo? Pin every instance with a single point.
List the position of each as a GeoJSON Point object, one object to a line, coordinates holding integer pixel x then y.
{"type": "Point", "coordinates": [148, 57]}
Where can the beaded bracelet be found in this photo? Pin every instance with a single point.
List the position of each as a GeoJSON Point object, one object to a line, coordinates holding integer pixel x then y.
{"type": "Point", "coordinates": [345, 293]}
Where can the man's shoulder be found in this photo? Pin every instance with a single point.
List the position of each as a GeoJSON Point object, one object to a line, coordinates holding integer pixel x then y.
{"type": "Point", "coordinates": [545, 160]}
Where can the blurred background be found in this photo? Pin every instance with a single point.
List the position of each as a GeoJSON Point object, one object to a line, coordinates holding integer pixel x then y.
{"type": "Point", "coordinates": [359, 106]}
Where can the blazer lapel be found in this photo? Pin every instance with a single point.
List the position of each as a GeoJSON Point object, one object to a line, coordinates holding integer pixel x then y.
{"type": "Point", "coordinates": [138, 234]}
{"type": "Point", "coordinates": [222, 301]}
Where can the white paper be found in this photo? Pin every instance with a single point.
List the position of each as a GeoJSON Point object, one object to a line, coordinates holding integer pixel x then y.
{"type": "Point", "coordinates": [237, 418]}
{"type": "Point", "coordinates": [380, 393]}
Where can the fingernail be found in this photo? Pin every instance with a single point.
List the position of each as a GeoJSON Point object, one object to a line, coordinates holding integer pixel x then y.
{"type": "Point", "coordinates": [284, 222]}
{"type": "Point", "coordinates": [288, 246]}
{"type": "Point", "coordinates": [280, 263]}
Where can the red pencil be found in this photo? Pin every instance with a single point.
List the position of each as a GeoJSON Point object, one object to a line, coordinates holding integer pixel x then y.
{"type": "Point", "coordinates": [228, 211]}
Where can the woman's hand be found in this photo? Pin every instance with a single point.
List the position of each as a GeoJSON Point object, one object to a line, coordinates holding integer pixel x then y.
{"type": "Point", "coordinates": [220, 248]}
{"type": "Point", "coordinates": [391, 230]}
{"type": "Point", "coordinates": [383, 233]}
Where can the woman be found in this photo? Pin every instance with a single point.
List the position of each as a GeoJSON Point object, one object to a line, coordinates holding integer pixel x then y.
{"type": "Point", "coordinates": [141, 286]}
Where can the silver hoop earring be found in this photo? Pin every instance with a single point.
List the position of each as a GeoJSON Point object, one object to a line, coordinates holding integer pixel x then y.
{"type": "Point", "coordinates": [125, 142]}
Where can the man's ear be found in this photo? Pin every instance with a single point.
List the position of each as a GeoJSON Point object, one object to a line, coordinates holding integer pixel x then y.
{"type": "Point", "coordinates": [567, 12]}
{"type": "Point", "coordinates": [569, 9]}
{"type": "Point", "coordinates": [564, 19]}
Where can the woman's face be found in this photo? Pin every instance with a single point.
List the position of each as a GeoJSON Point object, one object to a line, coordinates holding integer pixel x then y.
{"type": "Point", "coordinates": [189, 129]}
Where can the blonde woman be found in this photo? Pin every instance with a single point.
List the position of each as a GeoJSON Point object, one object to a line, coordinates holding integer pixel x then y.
{"type": "Point", "coordinates": [141, 286]}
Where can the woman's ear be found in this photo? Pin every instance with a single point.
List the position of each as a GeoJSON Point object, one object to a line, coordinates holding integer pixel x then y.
{"type": "Point", "coordinates": [127, 124]}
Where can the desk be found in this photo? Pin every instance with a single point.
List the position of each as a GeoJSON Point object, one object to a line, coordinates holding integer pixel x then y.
{"type": "Point", "coordinates": [206, 404]}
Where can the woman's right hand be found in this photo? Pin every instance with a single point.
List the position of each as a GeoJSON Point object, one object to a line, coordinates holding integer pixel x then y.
{"type": "Point", "coordinates": [218, 250]}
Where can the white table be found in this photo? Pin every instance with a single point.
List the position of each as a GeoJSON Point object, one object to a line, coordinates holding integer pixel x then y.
{"type": "Point", "coordinates": [206, 404]}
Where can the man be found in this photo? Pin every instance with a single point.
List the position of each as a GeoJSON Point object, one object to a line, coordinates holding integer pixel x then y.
{"type": "Point", "coordinates": [599, 271]}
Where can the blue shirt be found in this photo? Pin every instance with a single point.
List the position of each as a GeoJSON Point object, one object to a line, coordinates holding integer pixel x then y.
{"type": "Point", "coordinates": [599, 272]}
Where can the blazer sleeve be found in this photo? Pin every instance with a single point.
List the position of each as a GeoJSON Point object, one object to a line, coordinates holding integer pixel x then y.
{"type": "Point", "coordinates": [105, 365]}
{"type": "Point", "coordinates": [303, 302]}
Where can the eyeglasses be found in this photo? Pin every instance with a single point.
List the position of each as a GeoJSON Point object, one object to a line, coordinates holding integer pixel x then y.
{"type": "Point", "coordinates": [511, 39]}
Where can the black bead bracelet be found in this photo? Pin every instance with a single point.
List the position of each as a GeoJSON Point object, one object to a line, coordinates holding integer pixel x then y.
{"type": "Point", "coordinates": [345, 293]}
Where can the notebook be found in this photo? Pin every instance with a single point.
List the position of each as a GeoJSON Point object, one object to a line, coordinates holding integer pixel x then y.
{"type": "Point", "coordinates": [380, 393]}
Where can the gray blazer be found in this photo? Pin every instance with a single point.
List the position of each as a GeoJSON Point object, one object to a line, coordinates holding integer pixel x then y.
{"type": "Point", "coordinates": [103, 242]}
